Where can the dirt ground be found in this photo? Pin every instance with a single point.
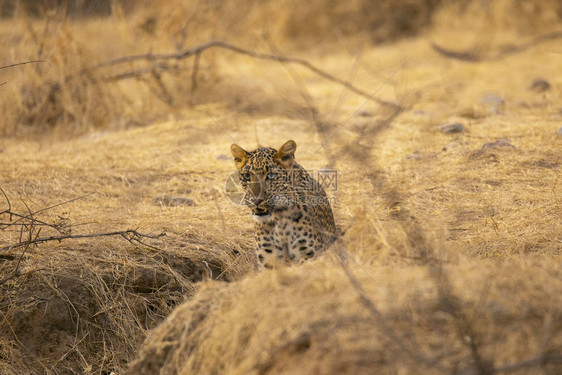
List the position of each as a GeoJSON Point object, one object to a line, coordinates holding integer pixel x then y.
{"type": "Point", "coordinates": [120, 251]}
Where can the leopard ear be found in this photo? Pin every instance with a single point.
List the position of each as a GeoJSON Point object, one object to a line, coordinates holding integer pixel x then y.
{"type": "Point", "coordinates": [240, 155]}
{"type": "Point", "coordinates": [286, 154]}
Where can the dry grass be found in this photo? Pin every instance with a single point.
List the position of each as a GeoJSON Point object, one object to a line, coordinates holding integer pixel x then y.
{"type": "Point", "coordinates": [451, 250]}
{"type": "Point", "coordinates": [312, 320]}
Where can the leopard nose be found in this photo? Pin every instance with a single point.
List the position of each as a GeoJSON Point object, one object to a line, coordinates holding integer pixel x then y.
{"type": "Point", "coordinates": [257, 202]}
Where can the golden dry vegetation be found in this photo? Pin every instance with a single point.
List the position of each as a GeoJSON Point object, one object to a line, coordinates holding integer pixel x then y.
{"type": "Point", "coordinates": [450, 261]}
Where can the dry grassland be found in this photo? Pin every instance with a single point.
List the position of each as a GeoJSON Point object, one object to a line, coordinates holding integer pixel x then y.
{"type": "Point", "coordinates": [450, 262]}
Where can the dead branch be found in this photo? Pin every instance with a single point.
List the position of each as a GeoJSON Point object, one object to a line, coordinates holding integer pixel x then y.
{"type": "Point", "coordinates": [31, 216]}
{"type": "Point", "coordinates": [471, 56]}
{"type": "Point", "coordinates": [197, 50]}
{"type": "Point", "coordinates": [130, 235]}
{"type": "Point", "coordinates": [464, 326]}
{"type": "Point", "coordinates": [63, 203]}
{"type": "Point", "coordinates": [7, 201]}
{"type": "Point", "coordinates": [458, 55]}
{"type": "Point", "coordinates": [22, 63]}
{"type": "Point", "coordinates": [31, 230]}
{"type": "Point", "coordinates": [137, 73]}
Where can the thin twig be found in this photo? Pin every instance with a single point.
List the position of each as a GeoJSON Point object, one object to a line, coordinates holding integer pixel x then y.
{"type": "Point", "coordinates": [7, 201]}
{"type": "Point", "coordinates": [22, 63]}
{"type": "Point", "coordinates": [15, 272]}
{"type": "Point", "coordinates": [31, 217]}
{"type": "Point", "coordinates": [36, 222]}
{"type": "Point", "coordinates": [134, 237]}
{"type": "Point", "coordinates": [63, 203]}
{"type": "Point", "coordinates": [138, 73]}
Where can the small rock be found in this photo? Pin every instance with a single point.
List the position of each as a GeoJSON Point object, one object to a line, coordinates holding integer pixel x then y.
{"type": "Point", "coordinates": [414, 155]}
{"type": "Point", "coordinates": [493, 99]}
{"type": "Point", "coordinates": [222, 157]}
{"type": "Point", "coordinates": [504, 142]}
{"type": "Point", "coordinates": [559, 132]}
{"type": "Point", "coordinates": [497, 309]}
{"type": "Point", "coordinates": [494, 102]}
{"type": "Point", "coordinates": [483, 155]}
{"type": "Point", "coordinates": [546, 164]}
{"type": "Point", "coordinates": [540, 85]}
{"type": "Point", "coordinates": [172, 201]}
{"type": "Point", "coordinates": [454, 127]}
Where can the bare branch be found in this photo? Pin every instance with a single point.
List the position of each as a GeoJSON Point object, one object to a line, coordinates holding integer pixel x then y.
{"type": "Point", "coordinates": [22, 63]}
{"type": "Point", "coordinates": [135, 236]}
{"type": "Point", "coordinates": [36, 222]}
{"type": "Point", "coordinates": [7, 201]}
{"type": "Point", "coordinates": [458, 55]}
{"type": "Point", "coordinates": [197, 50]}
{"type": "Point", "coordinates": [63, 203]}
{"type": "Point", "coordinates": [471, 56]}
{"type": "Point", "coordinates": [138, 73]}
{"type": "Point", "coordinates": [30, 236]}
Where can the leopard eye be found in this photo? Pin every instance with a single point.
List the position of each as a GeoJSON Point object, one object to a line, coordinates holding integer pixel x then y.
{"type": "Point", "coordinates": [271, 175]}
{"type": "Point", "coordinates": [245, 176]}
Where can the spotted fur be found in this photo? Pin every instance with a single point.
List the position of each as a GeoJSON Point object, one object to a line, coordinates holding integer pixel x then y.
{"type": "Point", "coordinates": [293, 216]}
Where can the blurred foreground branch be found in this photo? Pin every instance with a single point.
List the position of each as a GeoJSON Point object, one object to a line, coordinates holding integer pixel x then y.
{"type": "Point", "coordinates": [410, 348]}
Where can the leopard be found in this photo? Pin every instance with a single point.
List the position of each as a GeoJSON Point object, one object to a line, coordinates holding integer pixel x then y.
{"type": "Point", "coordinates": [293, 218]}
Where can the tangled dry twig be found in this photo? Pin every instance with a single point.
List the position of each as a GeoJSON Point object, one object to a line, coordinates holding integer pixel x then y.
{"type": "Point", "coordinates": [30, 228]}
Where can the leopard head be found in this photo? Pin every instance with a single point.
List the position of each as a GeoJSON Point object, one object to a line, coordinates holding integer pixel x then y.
{"type": "Point", "coordinates": [266, 178]}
